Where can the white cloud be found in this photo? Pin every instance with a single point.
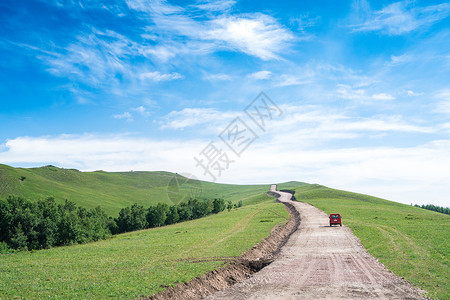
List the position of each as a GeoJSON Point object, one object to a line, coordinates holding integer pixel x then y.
{"type": "Point", "coordinates": [190, 117]}
{"type": "Point", "coordinates": [142, 110]}
{"type": "Point", "coordinates": [417, 174]}
{"type": "Point", "coordinates": [94, 58]}
{"type": "Point", "coordinates": [398, 18]}
{"type": "Point", "coordinates": [153, 6]}
{"type": "Point", "coordinates": [218, 77]}
{"type": "Point", "coordinates": [255, 34]}
{"type": "Point", "coordinates": [320, 127]}
{"type": "Point", "coordinates": [126, 115]}
{"type": "Point", "coordinates": [216, 5]}
{"type": "Point", "coordinates": [305, 21]}
{"type": "Point", "coordinates": [161, 52]}
{"type": "Point", "coordinates": [443, 105]}
{"type": "Point", "coordinates": [261, 75]}
{"type": "Point", "coordinates": [94, 152]}
{"type": "Point", "coordinates": [348, 92]}
{"type": "Point", "coordinates": [258, 34]}
{"type": "Point", "coordinates": [383, 96]}
{"type": "Point", "coordinates": [108, 61]}
{"type": "Point", "coordinates": [444, 94]}
{"type": "Point", "coordinates": [400, 59]}
{"type": "Point", "coordinates": [157, 76]}
{"type": "Point", "coordinates": [290, 80]}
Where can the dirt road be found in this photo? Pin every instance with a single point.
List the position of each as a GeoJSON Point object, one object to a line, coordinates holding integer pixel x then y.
{"type": "Point", "coordinates": [321, 262]}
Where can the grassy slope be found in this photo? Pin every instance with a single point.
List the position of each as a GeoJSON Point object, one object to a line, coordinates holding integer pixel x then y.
{"type": "Point", "coordinates": [110, 190]}
{"type": "Point", "coordinates": [411, 242]}
{"type": "Point", "coordinates": [138, 263]}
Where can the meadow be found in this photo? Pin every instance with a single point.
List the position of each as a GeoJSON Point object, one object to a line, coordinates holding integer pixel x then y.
{"type": "Point", "coordinates": [110, 190]}
{"type": "Point", "coordinates": [410, 241]}
{"type": "Point", "coordinates": [139, 263]}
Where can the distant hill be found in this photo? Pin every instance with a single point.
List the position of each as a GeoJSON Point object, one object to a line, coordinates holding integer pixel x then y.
{"type": "Point", "coordinates": [115, 190]}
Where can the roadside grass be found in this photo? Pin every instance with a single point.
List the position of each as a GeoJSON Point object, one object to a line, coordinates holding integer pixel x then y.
{"type": "Point", "coordinates": [411, 242]}
{"type": "Point", "coordinates": [139, 263]}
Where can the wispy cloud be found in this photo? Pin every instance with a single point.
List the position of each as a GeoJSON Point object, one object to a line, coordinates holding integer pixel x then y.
{"type": "Point", "coordinates": [359, 94]}
{"type": "Point", "coordinates": [190, 117]}
{"type": "Point", "coordinates": [218, 77]}
{"type": "Point", "coordinates": [94, 59]}
{"type": "Point", "coordinates": [318, 126]}
{"type": "Point", "coordinates": [125, 116]}
{"type": "Point", "coordinates": [166, 36]}
{"type": "Point", "coordinates": [292, 79]}
{"type": "Point", "coordinates": [157, 76]}
{"type": "Point", "coordinates": [141, 110]}
{"type": "Point", "coordinates": [443, 104]}
{"type": "Point", "coordinates": [261, 75]}
{"type": "Point", "coordinates": [402, 17]}
{"type": "Point", "coordinates": [258, 34]}
{"type": "Point", "coordinates": [216, 5]}
{"type": "Point", "coordinates": [383, 96]}
{"type": "Point", "coordinates": [254, 34]}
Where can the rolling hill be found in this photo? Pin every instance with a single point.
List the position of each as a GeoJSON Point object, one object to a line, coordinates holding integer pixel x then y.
{"type": "Point", "coordinates": [410, 241]}
{"type": "Point", "coordinates": [115, 190]}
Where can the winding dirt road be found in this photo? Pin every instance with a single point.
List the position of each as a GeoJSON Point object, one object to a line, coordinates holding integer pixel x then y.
{"type": "Point", "coordinates": [321, 262]}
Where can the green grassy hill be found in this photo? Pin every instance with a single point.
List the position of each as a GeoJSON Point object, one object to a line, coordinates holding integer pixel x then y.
{"type": "Point", "coordinates": [410, 241]}
{"type": "Point", "coordinates": [139, 263]}
{"type": "Point", "coordinates": [111, 190]}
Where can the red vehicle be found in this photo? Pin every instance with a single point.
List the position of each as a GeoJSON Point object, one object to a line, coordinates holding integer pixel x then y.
{"type": "Point", "coordinates": [335, 219]}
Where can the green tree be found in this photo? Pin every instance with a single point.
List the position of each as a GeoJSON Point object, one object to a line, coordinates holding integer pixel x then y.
{"type": "Point", "coordinates": [5, 221]}
{"type": "Point", "coordinates": [68, 229]}
{"type": "Point", "coordinates": [138, 217]}
{"type": "Point", "coordinates": [219, 205]}
{"type": "Point", "coordinates": [156, 215]}
{"type": "Point", "coordinates": [47, 230]}
{"type": "Point", "coordinates": [201, 208]}
{"type": "Point", "coordinates": [184, 211]}
{"type": "Point", "coordinates": [172, 215]}
{"type": "Point", "coordinates": [229, 205]}
{"type": "Point", "coordinates": [19, 239]}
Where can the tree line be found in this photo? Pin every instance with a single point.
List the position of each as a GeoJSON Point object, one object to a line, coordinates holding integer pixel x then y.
{"type": "Point", "coordinates": [136, 217]}
{"type": "Point", "coordinates": [441, 209]}
{"type": "Point", "coordinates": [28, 225]}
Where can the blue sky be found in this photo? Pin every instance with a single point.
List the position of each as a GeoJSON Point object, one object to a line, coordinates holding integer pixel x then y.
{"type": "Point", "coordinates": [362, 88]}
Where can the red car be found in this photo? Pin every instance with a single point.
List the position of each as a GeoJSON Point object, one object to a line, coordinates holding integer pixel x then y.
{"type": "Point", "coordinates": [335, 219]}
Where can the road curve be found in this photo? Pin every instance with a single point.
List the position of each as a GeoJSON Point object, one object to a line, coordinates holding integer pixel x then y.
{"type": "Point", "coordinates": [321, 262]}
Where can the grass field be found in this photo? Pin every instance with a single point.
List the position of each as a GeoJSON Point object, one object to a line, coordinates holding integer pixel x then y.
{"type": "Point", "coordinates": [138, 263]}
{"type": "Point", "coordinates": [111, 190]}
{"type": "Point", "coordinates": [412, 242]}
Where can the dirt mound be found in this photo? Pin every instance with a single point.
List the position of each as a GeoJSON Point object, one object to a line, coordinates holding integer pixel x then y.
{"type": "Point", "coordinates": [237, 269]}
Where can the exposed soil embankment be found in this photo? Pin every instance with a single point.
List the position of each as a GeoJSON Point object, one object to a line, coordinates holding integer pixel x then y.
{"type": "Point", "coordinates": [239, 268]}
